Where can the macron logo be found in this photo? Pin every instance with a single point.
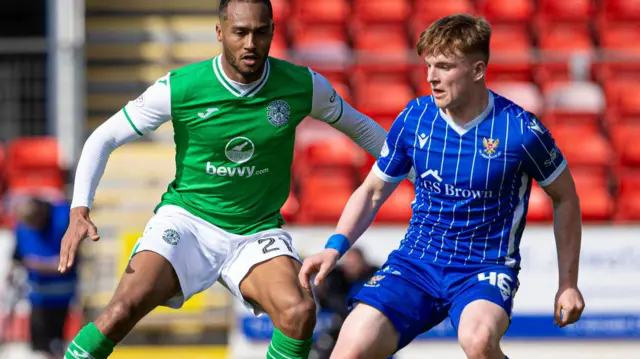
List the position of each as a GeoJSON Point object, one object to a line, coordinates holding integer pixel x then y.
{"type": "Point", "coordinates": [433, 173]}
{"type": "Point", "coordinates": [534, 126]}
{"type": "Point", "coordinates": [423, 140]}
{"type": "Point", "coordinates": [209, 112]}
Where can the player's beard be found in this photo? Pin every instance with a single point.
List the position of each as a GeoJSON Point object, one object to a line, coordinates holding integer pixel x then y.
{"type": "Point", "coordinates": [247, 73]}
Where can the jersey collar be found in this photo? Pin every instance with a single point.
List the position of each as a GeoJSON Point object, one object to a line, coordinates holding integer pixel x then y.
{"type": "Point", "coordinates": [461, 130]}
{"type": "Point", "coordinates": [238, 89]}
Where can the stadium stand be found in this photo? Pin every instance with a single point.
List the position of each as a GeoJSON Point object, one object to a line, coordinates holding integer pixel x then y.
{"type": "Point", "coordinates": [555, 58]}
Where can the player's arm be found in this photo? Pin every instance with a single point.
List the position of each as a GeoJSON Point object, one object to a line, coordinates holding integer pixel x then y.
{"type": "Point", "coordinates": [390, 169]}
{"type": "Point", "coordinates": [546, 164]}
{"type": "Point", "coordinates": [329, 107]}
{"type": "Point", "coordinates": [136, 118]}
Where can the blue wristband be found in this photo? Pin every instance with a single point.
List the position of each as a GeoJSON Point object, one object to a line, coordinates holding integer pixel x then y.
{"type": "Point", "coordinates": [339, 242]}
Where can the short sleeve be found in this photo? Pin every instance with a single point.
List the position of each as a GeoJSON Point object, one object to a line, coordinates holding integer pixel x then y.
{"type": "Point", "coordinates": [394, 163]}
{"type": "Point", "coordinates": [327, 105]}
{"type": "Point", "coordinates": [541, 156]}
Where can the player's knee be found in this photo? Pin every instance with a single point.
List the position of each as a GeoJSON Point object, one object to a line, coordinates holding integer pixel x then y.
{"type": "Point", "coordinates": [299, 315]}
{"type": "Point", "coordinates": [479, 342]}
{"type": "Point", "coordinates": [118, 312]}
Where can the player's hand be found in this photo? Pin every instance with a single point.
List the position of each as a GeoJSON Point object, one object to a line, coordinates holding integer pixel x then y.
{"type": "Point", "coordinates": [80, 227]}
{"type": "Point", "coordinates": [568, 307]}
{"type": "Point", "coordinates": [321, 263]}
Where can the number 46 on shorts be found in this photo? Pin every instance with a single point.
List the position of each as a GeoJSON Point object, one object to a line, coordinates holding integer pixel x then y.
{"type": "Point", "coordinates": [501, 280]}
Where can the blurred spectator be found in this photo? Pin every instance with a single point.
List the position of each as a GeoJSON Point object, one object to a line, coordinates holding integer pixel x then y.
{"type": "Point", "coordinates": [39, 232]}
{"type": "Point", "coordinates": [345, 280]}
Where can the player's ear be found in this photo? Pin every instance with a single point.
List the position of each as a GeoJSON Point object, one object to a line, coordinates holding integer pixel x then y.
{"type": "Point", "coordinates": [479, 69]}
{"type": "Point", "coordinates": [219, 32]}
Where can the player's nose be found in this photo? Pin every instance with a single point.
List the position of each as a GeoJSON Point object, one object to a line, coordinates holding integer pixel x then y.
{"type": "Point", "coordinates": [250, 42]}
{"type": "Point", "coordinates": [431, 76]}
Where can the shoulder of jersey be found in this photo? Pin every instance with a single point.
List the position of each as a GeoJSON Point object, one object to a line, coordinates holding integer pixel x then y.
{"type": "Point", "coordinates": [505, 106]}
{"type": "Point", "coordinates": [195, 67]}
{"type": "Point", "coordinates": [276, 62]}
{"type": "Point", "coordinates": [515, 112]}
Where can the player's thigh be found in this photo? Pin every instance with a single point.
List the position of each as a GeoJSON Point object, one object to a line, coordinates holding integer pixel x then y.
{"type": "Point", "coordinates": [481, 310]}
{"type": "Point", "coordinates": [366, 333]}
{"type": "Point", "coordinates": [167, 265]}
{"type": "Point", "coordinates": [400, 297]}
{"type": "Point", "coordinates": [264, 274]}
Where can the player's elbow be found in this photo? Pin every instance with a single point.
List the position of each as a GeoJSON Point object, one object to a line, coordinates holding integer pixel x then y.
{"type": "Point", "coordinates": [377, 192]}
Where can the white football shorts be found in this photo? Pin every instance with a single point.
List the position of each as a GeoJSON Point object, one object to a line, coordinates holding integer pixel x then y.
{"type": "Point", "coordinates": [202, 253]}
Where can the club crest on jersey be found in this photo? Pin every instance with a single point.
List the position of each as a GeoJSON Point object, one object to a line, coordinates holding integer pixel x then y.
{"type": "Point", "coordinates": [171, 237]}
{"type": "Point", "coordinates": [374, 281]}
{"type": "Point", "coordinates": [490, 150]}
{"type": "Point", "coordinates": [278, 113]}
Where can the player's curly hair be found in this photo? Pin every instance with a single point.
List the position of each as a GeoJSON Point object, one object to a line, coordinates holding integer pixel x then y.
{"type": "Point", "coordinates": [460, 34]}
{"type": "Point", "coordinates": [222, 9]}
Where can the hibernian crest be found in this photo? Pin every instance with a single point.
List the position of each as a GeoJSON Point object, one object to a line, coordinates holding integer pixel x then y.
{"type": "Point", "coordinates": [490, 150]}
{"type": "Point", "coordinates": [171, 237]}
{"type": "Point", "coordinates": [278, 113]}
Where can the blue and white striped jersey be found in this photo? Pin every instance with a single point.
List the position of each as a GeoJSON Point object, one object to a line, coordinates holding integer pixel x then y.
{"type": "Point", "coordinates": [473, 181]}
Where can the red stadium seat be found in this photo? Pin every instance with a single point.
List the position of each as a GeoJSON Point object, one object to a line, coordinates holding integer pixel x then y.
{"type": "Point", "coordinates": [629, 181]}
{"type": "Point", "coordinates": [510, 41]}
{"type": "Point", "coordinates": [617, 69]}
{"type": "Point", "coordinates": [620, 10]}
{"type": "Point", "coordinates": [379, 11]}
{"type": "Point", "coordinates": [511, 54]}
{"type": "Point", "coordinates": [426, 12]}
{"type": "Point", "coordinates": [625, 137]}
{"type": "Point", "coordinates": [324, 195]}
{"type": "Point", "coordinates": [623, 101]}
{"type": "Point", "coordinates": [280, 11]}
{"type": "Point", "coordinates": [321, 46]}
{"type": "Point", "coordinates": [540, 208]}
{"type": "Point", "coordinates": [397, 208]}
{"type": "Point", "coordinates": [334, 152]}
{"type": "Point", "coordinates": [279, 46]}
{"type": "Point", "coordinates": [596, 201]}
{"type": "Point", "coordinates": [620, 38]}
{"type": "Point", "coordinates": [383, 98]}
{"type": "Point", "coordinates": [381, 47]}
{"type": "Point", "coordinates": [628, 207]}
{"type": "Point", "coordinates": [583, 146]}
{"type": "Point", "coordinates": [553, 11]}
{"type": "Point", "coordinates": [512, 11]}
{"type": "Point", "coordinates": [519, 70]}
{"type": "Point", "coordinates": [628, 196]}
{"type": "Point", "coordinates": [565, 39]}
{"type": "Point", "coordinates": [325, 11]}
{"type": "Point", "coordinates": [33, 161]}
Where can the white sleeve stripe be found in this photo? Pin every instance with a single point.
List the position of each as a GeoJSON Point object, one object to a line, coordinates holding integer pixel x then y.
{"type": "Point", "coordinates": [385, 177]}
{"type": "Point", "coordinates": [554, 175]}
{"type": "Point", "coordinates": [533, 160]}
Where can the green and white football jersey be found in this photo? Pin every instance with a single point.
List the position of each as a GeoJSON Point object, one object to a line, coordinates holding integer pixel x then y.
{"type": "Point", "coordinates": [235, 142]}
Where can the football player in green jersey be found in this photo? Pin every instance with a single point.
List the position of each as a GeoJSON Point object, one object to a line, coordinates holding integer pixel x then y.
{"type": "Point", "coordinates": [234, 118]}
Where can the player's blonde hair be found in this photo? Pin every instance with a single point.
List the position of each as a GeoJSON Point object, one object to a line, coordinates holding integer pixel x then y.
{"type": "Point", "coordinates": [459, 34]}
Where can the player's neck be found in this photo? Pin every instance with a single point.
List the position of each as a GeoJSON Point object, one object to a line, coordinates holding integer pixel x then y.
{"type": "Point", "coordinates": [478, 102]}
{"type": "Point", "coordinates": [234, 75]}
